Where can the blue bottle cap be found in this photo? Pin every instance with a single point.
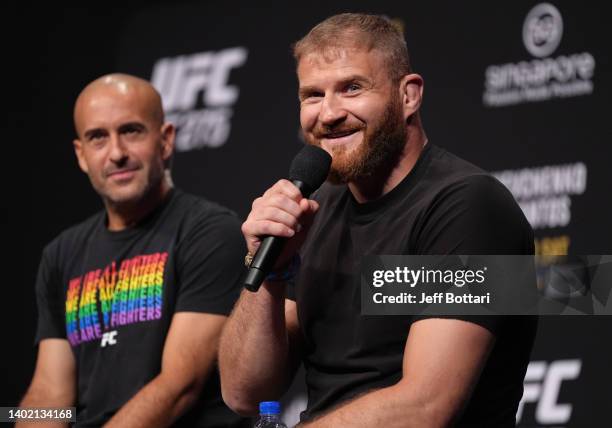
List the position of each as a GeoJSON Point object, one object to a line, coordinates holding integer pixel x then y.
{"type": "Point", "coordinates": [269, 408]}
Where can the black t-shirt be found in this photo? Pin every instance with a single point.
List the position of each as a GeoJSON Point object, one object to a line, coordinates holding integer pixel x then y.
{"type": "Point", "coordinates": [444, 206]}
{"type": "Point", "coordinates": [112, 295]}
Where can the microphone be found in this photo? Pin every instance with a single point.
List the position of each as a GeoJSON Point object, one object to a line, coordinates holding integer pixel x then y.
{"type": "Point", "coordinates": [308, 171]}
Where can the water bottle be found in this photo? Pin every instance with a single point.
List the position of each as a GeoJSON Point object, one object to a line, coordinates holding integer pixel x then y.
{"type": "Point", "coordinates": [269, 415]}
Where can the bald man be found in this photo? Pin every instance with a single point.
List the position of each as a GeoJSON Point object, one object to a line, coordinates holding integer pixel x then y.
{"type": "Point", "coordinates": [132, 301]}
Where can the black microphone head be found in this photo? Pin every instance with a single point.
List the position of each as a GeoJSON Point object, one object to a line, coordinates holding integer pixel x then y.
{"type": "Point", "coordinates": [311, 167]}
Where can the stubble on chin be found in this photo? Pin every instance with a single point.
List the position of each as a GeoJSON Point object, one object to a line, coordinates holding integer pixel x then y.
{"type": "Point", "coordinates": [133, 194]}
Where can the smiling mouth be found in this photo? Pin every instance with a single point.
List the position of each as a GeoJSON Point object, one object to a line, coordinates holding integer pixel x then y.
{"type": "Point", "coordinates": [335, 135]}
{"type": "Point", "coordinates": [122, 173]}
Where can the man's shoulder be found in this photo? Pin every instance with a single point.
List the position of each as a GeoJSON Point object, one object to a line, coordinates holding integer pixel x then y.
{"type": "Point", "coordinates": [200, 218]}
{"type": "Point", "coordinates": [448, 173]}
{"type": "Point", "coordinates": [79, 232]}
{"type": "Point", "coordinates": [197, 209]}
{"type": "Point", "coordinates": [70, 241]}
{"type": "Point", "coordinates": [466, 204]}
{"type": "Point", "coordinates": [446, 168]}
{"type": "Point", "coordinates": [199, 205]}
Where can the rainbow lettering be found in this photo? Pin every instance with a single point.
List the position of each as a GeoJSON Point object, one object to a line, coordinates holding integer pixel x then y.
{"type": "Point", "coordinates": [104, 299]}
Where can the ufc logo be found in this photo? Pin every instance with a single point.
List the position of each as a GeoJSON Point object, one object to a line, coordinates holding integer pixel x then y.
{"type": "Point", "coordinates": [108, 339]}
{"type": "Point", "coordinates": [183, 79]}
{"type": "Point", "coordinates": [542, 385]}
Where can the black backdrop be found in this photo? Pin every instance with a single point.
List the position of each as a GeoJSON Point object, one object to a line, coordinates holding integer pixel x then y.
{"type": "Point", "coordinates": [236, 83]}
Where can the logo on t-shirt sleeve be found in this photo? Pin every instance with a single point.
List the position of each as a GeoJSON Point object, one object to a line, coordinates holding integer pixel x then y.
{"type": "Point", "coordinates": [106, 298]}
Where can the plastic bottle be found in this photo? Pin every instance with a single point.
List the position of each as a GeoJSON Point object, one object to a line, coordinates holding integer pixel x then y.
{"type": "Point", "coordinates": [269, 415]}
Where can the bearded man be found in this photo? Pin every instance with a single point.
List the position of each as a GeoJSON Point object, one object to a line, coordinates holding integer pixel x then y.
{"type": "Point", "coordinates": [390, 191]}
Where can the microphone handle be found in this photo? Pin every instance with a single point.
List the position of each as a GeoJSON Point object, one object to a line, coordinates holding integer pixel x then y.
{"type": "Point", "coordinates": [268, 252]}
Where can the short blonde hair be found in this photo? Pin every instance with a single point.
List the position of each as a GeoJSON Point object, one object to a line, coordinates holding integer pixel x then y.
{"type": "Point", "coordinates": [371, 32]}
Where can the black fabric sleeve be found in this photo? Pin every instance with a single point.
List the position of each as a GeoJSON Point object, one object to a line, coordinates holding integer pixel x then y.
{"type": "Point", "coordinates": [476, 216]}
{"type": "Point", "coordinates": [210, 265]}
{"type": "Point", "coordinates": [49, 299]}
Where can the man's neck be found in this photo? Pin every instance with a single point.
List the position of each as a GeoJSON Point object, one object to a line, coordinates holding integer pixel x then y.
{"type": "Point", "coordinates": [376, 186]}
{"type": "Point", "coordinates": [122, 216]}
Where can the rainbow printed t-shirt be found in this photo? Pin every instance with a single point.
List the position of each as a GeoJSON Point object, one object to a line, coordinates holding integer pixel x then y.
{"type": "Point", "coordinates": [112, 295]}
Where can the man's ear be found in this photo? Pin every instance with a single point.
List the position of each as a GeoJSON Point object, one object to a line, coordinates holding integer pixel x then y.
{"type": "Point", "coordinates": [168, 134]}
{"type": "Point", "coordinates": [411, 93]}
{"type": "Point", "coordinates": [78, 150]}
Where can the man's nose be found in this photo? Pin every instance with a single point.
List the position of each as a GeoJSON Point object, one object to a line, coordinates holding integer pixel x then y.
{"type": "Point", "coordinates": [118, 149]}
{"type": "Point", "coordinates": [332, 111]}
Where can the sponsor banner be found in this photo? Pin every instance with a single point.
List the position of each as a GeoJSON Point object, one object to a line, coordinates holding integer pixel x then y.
{"type": "Point", "coordinates": [542, 388]}
{"type": "Point", "coordinates": [197, 95]}
{"type": "Point", "coordinates": [545, 193]}
{"type": "Point", "coordinates": [543, 77]}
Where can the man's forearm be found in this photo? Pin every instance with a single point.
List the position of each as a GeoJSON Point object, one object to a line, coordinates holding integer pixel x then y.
{"type": "Point", "coordinates": [390, 407]}
{"type": "Point", "coordinates": [37, 398]}
{"type": "Point", "coordinates": [156, 405]}
{"type": "Point", "coordinates": [254, 349]}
